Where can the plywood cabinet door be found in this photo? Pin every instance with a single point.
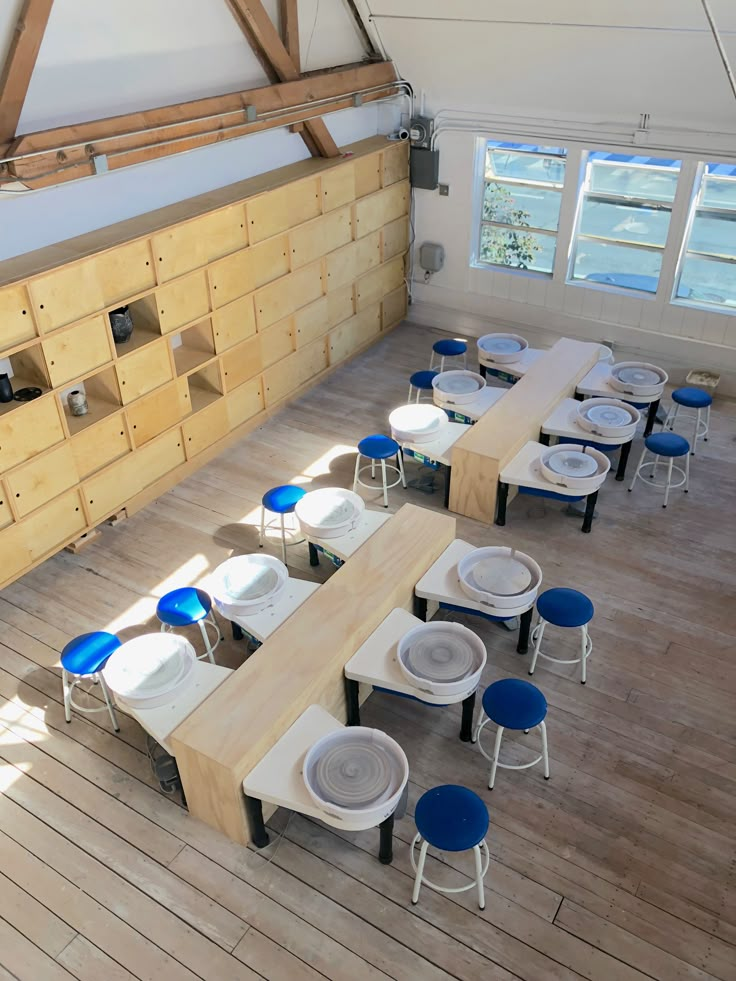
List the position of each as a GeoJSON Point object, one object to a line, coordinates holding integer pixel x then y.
{"type": "Point", "coordinates": [234, 323]}
{"type": "Point", "coordinates": [318, 237]}
{"type": "Point", "coordinates": [395, 164]}
{"type": "Point", "coordinates": [277, 341]}
{"type": "Point", "coordinates": [142, 371]}
{"type": "Point", "coordinates": [286, 376]}
{"type": "Point", "coordinates": [242, 362]}
{"type": "Point", "coordinates": [124, 271]}
{"type": "Point", "coordinates": [77, 350]}
{"type": "Point", "coordinates": [354, 334]}
{"type": "Point", "coordinates": [108, 491]}
{"type": "Point", "coordinates": [277, 301]}
{"type": "Point", "coordinates": [28, 430]}
{"type": "Point", "coordinates": [15, 552]}
{"type": "Point", "coordinates": [159, 411]}
{"type": "Point", "coordinates": [16, 319]}
{"type": "Point", "coordinates": [393, 307]}
{"type": "Point", "coordinates": [99, 445]}
{"type": "Point", "coordinates": [183, 301]}
{"type": "Point", "coordinates": [316, 319]}
{"type": "Point", "coordinates": [51, 526]}
{"type": "Point", "coordinates": [205, 428]}
{"type": "Point", "coordinates": [182, 248]}
{"type": "Point", "coordinates": [283, 208]}
{"type": "Point", "coordinates": [377, 283]}
{"type": "Point", "coordinates": [338, 186]}
{"type": "Point", "coordinates": [244, 402]}
{"type": "Point", "coordinates": [395, 237]}
{"type": "Point", "coordinates": [42, 479]}
{"type": "Point", "coordinates": [6, 515]}
{"type": "Point", "coordinates": [367, 174]}
{"type": "Point", "coordinates": [377, 210]}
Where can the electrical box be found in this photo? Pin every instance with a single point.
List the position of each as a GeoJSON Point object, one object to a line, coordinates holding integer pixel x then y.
{"type": "Point", "coordinates": [420, 131]}
{"type": "Point", "coordinates": [431, 256]}
{"type": "Point", "coordinates": [424, 168]}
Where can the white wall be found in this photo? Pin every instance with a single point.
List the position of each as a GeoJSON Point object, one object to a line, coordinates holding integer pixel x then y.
{"type": "Point", "coordinates": [117, 56]}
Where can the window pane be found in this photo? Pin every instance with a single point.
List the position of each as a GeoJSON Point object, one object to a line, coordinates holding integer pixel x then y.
{"type": "Point", "coordinates": [634, 269]}
{"type": "Point", "coordinates": [624, 222]}
{"type": "Point", "coordinates": [714, 234]}
{"type": "Point", "coordinates": [518, 250]}
{"type": "Point", "coordinates": [646, 182]}
{"type": "Point", "coordinates": [719, 193]}
{"type": "Point", "coordinates": [708, 282]}
{"type": "Point", "coordinates": [524, 166]}
{"type": "Point", "coordinates": [521, 206]}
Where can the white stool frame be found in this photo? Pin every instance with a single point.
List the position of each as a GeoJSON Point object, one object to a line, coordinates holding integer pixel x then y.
{"type": "Point", "coordinates": [671, 467]}
{"type": "Point", "coordinates": [70, 704]}
{"type": "Point", "coordinates": [208, 621]}
{"type": "Point", "coordinates": [482, 861]}
{"type": "Point", "coordinates": [483, 721]}
{"type": "Point", "coordinates": [428, 398]}
{"type": "Point", "coordinates": [586, 648]}
{"type": "Point", "coordinates": [448, 357]}
{"type": "Point", "coordinates": [397, 467]}
{"type": "Point", "coordinates": [267, 524]}
{"type": "Point", "coordinates": [701, 427]}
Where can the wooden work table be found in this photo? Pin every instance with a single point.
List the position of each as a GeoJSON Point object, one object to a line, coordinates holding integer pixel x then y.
{"type": "Point", "coordinates": [301, 664]}
{"type": "Point", "coordinates": [486, 447]}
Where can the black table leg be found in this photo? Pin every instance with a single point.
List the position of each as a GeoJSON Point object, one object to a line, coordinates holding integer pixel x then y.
{"type": "Point", "coordinates": [501, 498]}
{"type": "Point", "coordinates": [313, 555]}
{"type": "Point", "coordinates": [447, 487]}
{"type": "Point", "coordinates": [386, 847]}
{"type": "Point", "coordinates": [254, 811]}
{"type": "Point", "coordinates": [525, 622]}
{"type": "Point", "coordinates": [420, 607]}
{"type": "Point", "coordinates": [466, 726]}
{"type": "Point", "coordinates": [623, 459]}
{"type": "Point", "coordinates": [651, 417]}
{"type": "Point", "coordinates": [589, 511]}
{"type": "Point", "coordinates": [579, 397]}
{"type": "Point", "coordinates": [482, 370]}
{"type": "Point", "coordinates": [352, 692]}
{"type": "Point", "coordinates": [544, 439]}
{"type": "Point", "coordinates": [237, 631]}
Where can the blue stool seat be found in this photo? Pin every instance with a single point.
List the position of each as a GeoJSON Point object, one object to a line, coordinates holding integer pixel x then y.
{"type": "Point", "coordinates": [692, 398]}
{"type": "Point", "coordinates": [182, 607]}
{"type": "Point", "coordinates": [667, 444]}
{"type": "Point", "coordinates": [452, 818]}
{"type": "Point", "coordinates": [88, 653]}
{"type": "Point", "coordinates": [378, 447]}
{"type": "Point", "coordinates": [423, 379]}
{"type": "Point", "coordinates": [565, 607]}
{"type": "Point", "coordinates": [449, 348]}
{"type": "Point", "coordinates": [282, 499]}
{"type": "Point", "coordinates": [514, 704]}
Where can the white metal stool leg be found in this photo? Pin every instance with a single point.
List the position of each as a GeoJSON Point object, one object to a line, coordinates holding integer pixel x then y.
{"type": "Point", "coordinates": [420, 870]}
{"type": "Point", "coordinates": [638, 468]}
{"type": "Point", "coordinates": [283, 539]}
{"type": "Point", "coordinates": [545, 754]}
{"type": "Point", "coordinates": [108, 702]}
{"type": "Point", "coordinates": [537, 635]}
{"type": "Point", "coordinates": [209, 652]}
{"type": "Point", "coordinates": [357, 473]}
{"type": "Point", "coordinates": [482, 859]}
{"type": "Point", "coordinates": [373, 469]}
{"type": "Point", "coordinates": [669, 480]}
{"type": "Point", "coordinates": [496, 752]}
{"type": "Point", "coordinates": [687, 473]}
{"type": "Point", "coordinates": [400, 462]}
{"type": "Point", "coordinates": [67, 695]}
{"type": "Point", "coordinates": [384, 482]}
{"type": "Point", "coordinates": [479, 876]}
{"type": "Point", "coordinates": [262, 532]}
{"type": "Point", "coordinates": [586, 649]}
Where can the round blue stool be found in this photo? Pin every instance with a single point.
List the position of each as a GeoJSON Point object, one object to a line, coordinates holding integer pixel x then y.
{"type": "Point", "coordinates": [564, 608]}
{"type": "Point", "coordinates": [512, 704]}
{"type": "Point", "coordinates": [85, 657]}
{"type": "Point", "coordinates": [449, 348]}
{"type": "Point", "coordinates": [281, 501]}
{"type": "Point", "coordinates": [452, 819]}
{"type": "Point", "coordinates": [378, 449]}
{"type": "Point", "coordinates": [185, 607]}
{"type": "Point", "coordinates": [670, 446]}
{"type": "Point", "coordinates": [422, 382]}
{"type": "Point", "coordinates": [697, 400]}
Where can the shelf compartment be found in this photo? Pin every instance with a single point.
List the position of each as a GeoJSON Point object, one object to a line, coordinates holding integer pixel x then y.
{"type": "Point", "coordinates": [156, 413]}
{"type": "Point", "coordinates": [196, 346]}
{"type": "Point", "coordinates": [103, 398]}
{"type": "Point", "coordinates": [146, 329]}
{"type": "Point", "coordinates": [27, 370]}
{"type": "Point", "coordinates": [205, 386]}
{"type": "Point", "coordinates": [16, 319]}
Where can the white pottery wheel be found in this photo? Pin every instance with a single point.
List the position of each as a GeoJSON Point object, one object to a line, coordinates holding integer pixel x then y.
{"type": "Point", "coordinates": [571, 465]}
{"type": "Point", "coordinates": [500, 577]}
{"type": "Point", "coordinates": [501, 348]}
{"type": "Point", "coordinates": [607, 417]}
{"type": "Point", "coordinates": [457, 387]}
{"type": "Point", "coordinates": [329, 512]}
{"type": "Point", "coordinates": [149, 670]}
{"type": "Point", "coordinates": [442, 658]}
{"type": "Point", "coordinates": [638, 378]}
{"type": "Point", "coordinates": [248, 583]}
{"type": "Point", "coordinates": [417, 422]}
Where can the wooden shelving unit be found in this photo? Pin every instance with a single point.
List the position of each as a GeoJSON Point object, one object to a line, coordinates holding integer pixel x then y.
{"type": "Point", "coordinates": [240, 298]}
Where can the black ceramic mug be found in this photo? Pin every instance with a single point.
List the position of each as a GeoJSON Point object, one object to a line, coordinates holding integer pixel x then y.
{"type": "Point", "coordinates": [6, 389]}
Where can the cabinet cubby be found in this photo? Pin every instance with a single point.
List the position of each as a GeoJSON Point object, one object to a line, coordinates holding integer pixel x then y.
{"type": "Point", "coordinates": [233, 312]}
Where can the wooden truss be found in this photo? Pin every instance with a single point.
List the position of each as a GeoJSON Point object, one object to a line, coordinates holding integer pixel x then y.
{"type": "Point", "coordinates": [298, 100]}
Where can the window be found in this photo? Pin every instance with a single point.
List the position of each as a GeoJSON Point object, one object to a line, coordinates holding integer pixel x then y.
{"type": "Point", "coordinates": [623, 218]}
{"type": "Point", "coordinates": [707, 273]}
{"type": "Point", "coordinates": [522, 188]}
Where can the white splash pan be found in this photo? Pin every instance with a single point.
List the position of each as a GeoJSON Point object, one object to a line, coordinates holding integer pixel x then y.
{"type": "Point", "coordinates": [501, 577]}
{"type": "Point", "coordinates": [638, 378]}
{"type": "Point", "coordinates": [457, 387]}
{"type": "Point", "coordinates": [356, 775]}
{"type": "Point", "coordinates": [247, 584]}
{"type": "Point", "coordinates": [418, 422]}
{"type": "Point", "coordinates": [598, 416]}
{"type": "Point", "coordinates": [442, 658]}
{"type": "Point", "coordinates": [329, 512]}
{"type": "Point", "coordinates": [501, 348]}
{"type": "Point", "coordinates": [552, 466]}
{"type": "Point", "coordinates": [605, 353]}
{"type": "Point", "coordinates": [150, 670]}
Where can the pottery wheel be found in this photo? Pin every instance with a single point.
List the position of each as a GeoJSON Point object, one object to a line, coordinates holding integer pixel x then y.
{"type": "Point", "coordinates": [639, 376]}
{"type": "Point", "coordinates": [608, 415]}
{"type": "Point", "coordinates": [572, 463]}
{"type": "Point", "coordinates": [441, 656]}
{"type": "Point", "coordinates": [502, 576]}
{"type": "Point", "coordinates": [331, 512]}
{"type": "Point", "coordinates": [459, 385]}
{"type": "Point", "coordinates": [354, 774]}
{"type": "Point", "coordinates": [504, 345]}
{"type": "Point", "coordinates": [250, 583]}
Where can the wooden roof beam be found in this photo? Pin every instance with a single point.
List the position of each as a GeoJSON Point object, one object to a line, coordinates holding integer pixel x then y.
{"type": "Point", "coordinates": [16, 74]}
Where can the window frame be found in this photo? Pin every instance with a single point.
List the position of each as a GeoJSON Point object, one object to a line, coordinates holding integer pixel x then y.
{"type": "Point", "coordinates": [483, 143]}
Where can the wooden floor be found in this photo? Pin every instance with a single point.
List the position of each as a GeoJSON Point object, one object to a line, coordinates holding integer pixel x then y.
{"type": "Point", "coordinates": [620, 867]}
